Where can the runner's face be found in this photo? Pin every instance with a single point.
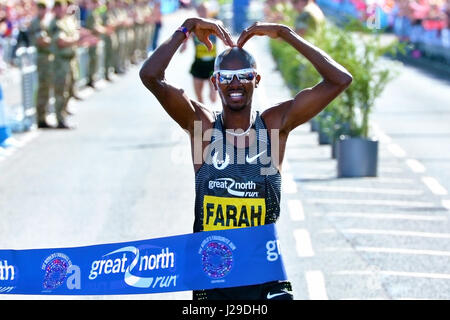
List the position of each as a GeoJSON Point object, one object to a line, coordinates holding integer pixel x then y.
{"type": "Point", "coordinates": [236, 95]}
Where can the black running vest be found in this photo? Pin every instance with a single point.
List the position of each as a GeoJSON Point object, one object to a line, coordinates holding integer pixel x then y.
{"type": "Point", "coordinates": [237, 187]}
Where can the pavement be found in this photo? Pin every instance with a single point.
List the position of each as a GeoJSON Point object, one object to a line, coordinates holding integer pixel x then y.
{"type": "Point", "coordinates": [125, 174]}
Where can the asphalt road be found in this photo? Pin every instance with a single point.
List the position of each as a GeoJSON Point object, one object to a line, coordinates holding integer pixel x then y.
{"type": "Point", "coordinates": [125, 174]}
{"type": "Point", "coordinates": [414, 111]}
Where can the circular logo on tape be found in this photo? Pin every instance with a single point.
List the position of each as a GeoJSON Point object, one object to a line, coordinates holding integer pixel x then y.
{"type": "Point", "coordinates": [55, 267]}
{"type": "Point", "coordinates": [217, 259]}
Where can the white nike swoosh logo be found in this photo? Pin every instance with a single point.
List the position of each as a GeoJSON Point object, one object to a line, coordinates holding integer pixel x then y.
{"type": "Point", "coordinates": [271, 296]}
{"type": "Point", "coordinates": [250, 160]}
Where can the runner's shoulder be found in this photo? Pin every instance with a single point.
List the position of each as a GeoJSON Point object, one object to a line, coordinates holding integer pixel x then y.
{"type": "Point", "coordinates": [203, 114]}
{"type": "Point", "coordinates": [273, 116]}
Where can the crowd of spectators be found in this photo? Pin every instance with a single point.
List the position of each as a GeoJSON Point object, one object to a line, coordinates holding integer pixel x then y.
{"type": "Point", "coordinates": [66, 34]}
{"type": "Point", "coordinates": [425, 24]}
{"type": "Point", "coordinates": [15, 17]}
{"type": "Point", "coordinates": [415, 21]}
{"type": "Point", "coordinates": [426, 21]}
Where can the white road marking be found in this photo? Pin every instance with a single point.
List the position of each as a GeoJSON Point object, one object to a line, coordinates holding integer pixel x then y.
{"type": "Point", "coordinates": [382, 137]}
{"type": "Point", "coordinates": [396, 150]}
{"type": "Point", "coordinates": [362, 190]}
{"type": "Point", "coordinates": [415, 165]}
{"type": "Point", "coordinates": [370, 202]}
{"type": "Point", "coordinates": [434, 186]}
{"type": "Point", "coordinates": [392, 250]}
{"type": "Point", "coordinates": [383, 216]}
{"type": "Point", "coordinates": [303, 243]}
{"type": "Point", "coordinates": [316, 285]}
{"type": "Point", "coordinates": [394, 180]}
{"type": "Point", "coordinates": [296, 210]}
{"type": "Point", "coordinates": [443, 276]}
{"type": "Point", "coordinates": [391, 233]}
{"type": "Point", "coordinates": [446, 204]}
{"type": "Point", "coordinates": [384, 169]}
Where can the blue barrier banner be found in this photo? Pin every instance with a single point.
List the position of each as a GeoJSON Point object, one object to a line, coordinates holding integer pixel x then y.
{"type": "Point", "coordinates": [203, 260]}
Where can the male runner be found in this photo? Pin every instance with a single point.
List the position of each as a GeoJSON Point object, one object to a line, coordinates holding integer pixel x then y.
{"type": "Point", "coordinates": [233, 192]}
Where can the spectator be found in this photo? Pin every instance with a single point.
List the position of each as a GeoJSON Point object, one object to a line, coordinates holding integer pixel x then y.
{"type": "Point", "coordinates": [274, 11]}
{"type": "Point", "coordinates": [433, 23]}
{"type": "Point", "coordinates": [94, 25]}
{"type": "Point", "coordinates": [39, 36]}
{"type": "Point", "coordinates": [402, 24]}
{"type": "Point", "coordinates": [73, 19]}
{"type": "Point", "coordinates": [203, 66]}
{"type": "Point", "coordinates": [446, 10]}
{"type": "Point", "coordinates": [24, 14]}
{"type": "Point", "coordinates": [65, 40]}
{"type": "Point", "coordinates": [7, 17]}
{"type": "Point", "coordinates": [310, 16]}
{"type": "Point", "coordinates": [83, 12]}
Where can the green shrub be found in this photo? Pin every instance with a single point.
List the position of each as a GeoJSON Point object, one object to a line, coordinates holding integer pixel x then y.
{"type": "Point", "coordinates": [360, 51]}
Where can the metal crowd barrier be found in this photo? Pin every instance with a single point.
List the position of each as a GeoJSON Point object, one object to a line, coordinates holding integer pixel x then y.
{"type": "Point", "coordinates": [26, 58]}
{"type": "Point", "coordinates": [7, 47]}
{"type": "Point", "coordinates": [83, 64]}
{"type": "Point", "coordinates": [20, 85]}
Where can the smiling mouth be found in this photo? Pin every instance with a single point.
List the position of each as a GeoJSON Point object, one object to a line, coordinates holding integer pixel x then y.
{"type": "Point", "coordinates": [236, 96]}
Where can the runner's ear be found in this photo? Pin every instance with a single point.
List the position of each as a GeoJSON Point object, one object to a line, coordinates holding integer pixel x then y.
{"type": "Point", "coordinates": [214, 82]}
{"type": "Point", "coordinates": [258, 78]}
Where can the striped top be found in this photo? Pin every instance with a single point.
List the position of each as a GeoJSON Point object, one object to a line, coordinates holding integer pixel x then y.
{"type": "Point", "coordinates": [237, 187]}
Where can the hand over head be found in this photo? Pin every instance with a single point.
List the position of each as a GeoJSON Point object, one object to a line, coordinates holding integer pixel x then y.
{"type": "Point", "coordinates": [203, 28]}
{"type": "Point", "coordinates": [259, 29]}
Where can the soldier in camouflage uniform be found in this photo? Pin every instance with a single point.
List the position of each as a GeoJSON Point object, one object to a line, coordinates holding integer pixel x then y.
{"type": "Point", "coordinates": [94, 24]}
{"type": "Point", "coordinates": [130, 16]}
{"type": "Point", "coordinates": [137, 26]}
{"type": "Point", "coordinates": [121, 32]}
{"type": "Point", "coordinates": [64, 44]}
{"type": "Point", "coordinates": [73, 16]}
{"type": "Point", "coordinates": [110, 40]}
{"type": "Point", "coordinates": [141, 29]}
{"type": "Point", "coordinates": [38, 31]}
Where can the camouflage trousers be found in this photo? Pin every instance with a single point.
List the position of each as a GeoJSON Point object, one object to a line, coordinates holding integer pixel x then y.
{"type": "Point", "coordinates": [92, 51]}
{"type": "Point", "coordinates": [62, 84]}
{"type": "Point", "coordinates": [45, 82]}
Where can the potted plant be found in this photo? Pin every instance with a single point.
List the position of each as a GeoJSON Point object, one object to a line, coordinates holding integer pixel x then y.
{"type": "Point", "coordinates": [357, 151]}
{"type": "Point", "coordinates": [346, 121]}
{"type": "Point", "coordinates": [335, 119]}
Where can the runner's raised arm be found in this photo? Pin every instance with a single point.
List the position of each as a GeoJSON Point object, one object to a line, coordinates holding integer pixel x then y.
{"type": "Point", "coordinates": [174, 100]}
{"type": "Point", "coordinates": [310, 101]}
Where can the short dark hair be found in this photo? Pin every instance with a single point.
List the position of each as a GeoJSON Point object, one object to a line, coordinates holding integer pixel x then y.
{"type": "Point", "coordinates": [235, 53]}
